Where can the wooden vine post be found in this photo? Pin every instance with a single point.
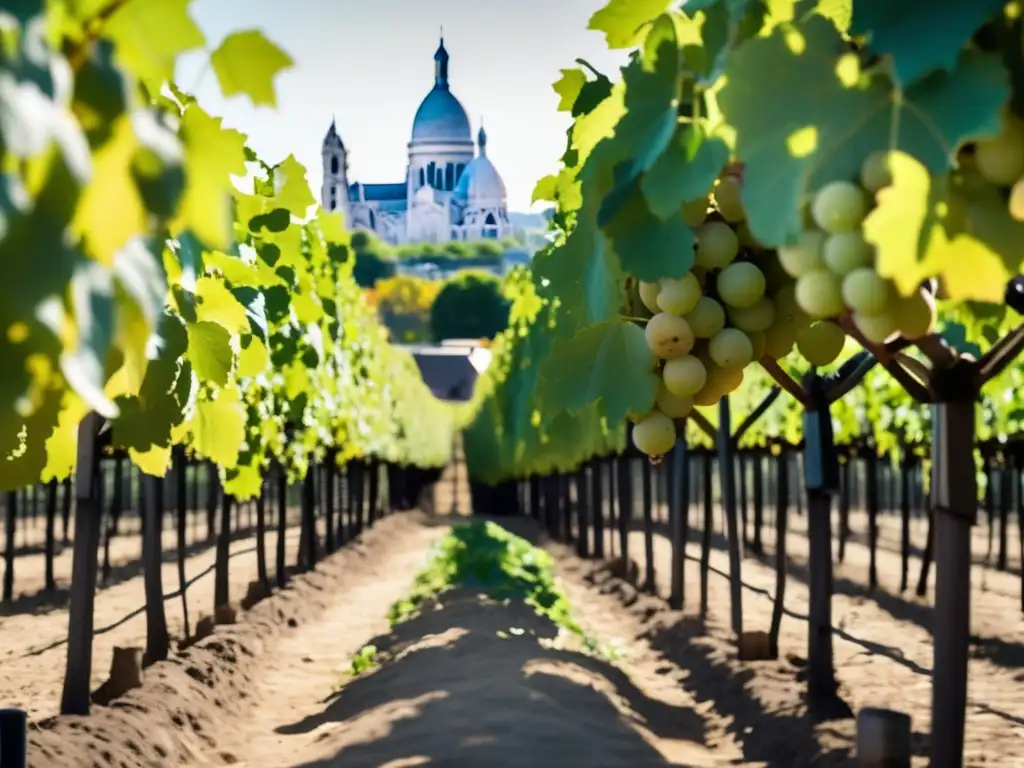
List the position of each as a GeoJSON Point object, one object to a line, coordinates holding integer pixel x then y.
{"type": "Point", "coordinates": [821, 482]}
{"type": "Point", "coordinates": [75, 698]}
{"type": "Point", "coordinates": [726, 441]}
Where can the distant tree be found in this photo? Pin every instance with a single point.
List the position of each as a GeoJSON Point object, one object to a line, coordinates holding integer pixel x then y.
{"type": "Point", "coordinates": [488, 248]}
{"type": "Point", "coordinates": [457, 249]}
{"type": "Point", "coordinates": [469, 306]}
{"type": "Point", "coordinates": [403, 304]}
{"type": "Point", "coordinates": [372, 267]}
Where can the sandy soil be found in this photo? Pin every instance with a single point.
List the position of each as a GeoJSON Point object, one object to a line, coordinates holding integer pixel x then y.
{"type": "Point", "coordinates": [198, 708]}
{"type": "Point", "coordinates": [33, 632]}
{"type": "Point", "coordinates": [883, 649]}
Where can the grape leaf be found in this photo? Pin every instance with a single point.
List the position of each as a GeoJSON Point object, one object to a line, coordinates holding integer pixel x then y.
{"type": "Point", "coordinates": [246, 62]}
{"type": "Point", "coordinates": [292, 189]}
{"type": "Point", "coordinates": [209, 349]}
{"type": "Point", "coordinates": [84, 366]}
{"type": "Point", "coordinates": [568, 88]}
{"type": "Point", "coordinates": [685, 171]}
{"type": "Point", "coordinates": [923, 228]}
{"type": "Point", "coordinates": [218, 429]}
{"type": "Point", "coordinates": [212, 155]}
{"type": "Point", "coordinates": [590, 366]}
{"type": "Point", "coordinates": [112, 187]}
{"type": "Point", "coordinates": [647, 246]}
{"type": "Point", "coordinates": [149, 35]}
{"type": "Point", "coordinates": [920, 36]}
{"type": "Point", "coordinates": [791, 146]}
{"type": "Point", "coordinates": [582, 274]}
{"type": "Point", "coordinates": [622, 21]}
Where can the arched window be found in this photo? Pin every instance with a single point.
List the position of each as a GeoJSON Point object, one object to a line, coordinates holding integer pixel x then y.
{"type": "Point", "coordinates": [458, 171]}
{"type": "Point", "coordinates": [432, 174]}
{"type": "Point", "coordinates": [373, 220]}
{"type": "Point", "coordinates": [423, 177]}
{"type": "Point", "coordinates": [449, 177]}
{"type": "Point", "coordinates": [490, 227]}
{"type": "Point", "coordinates": [334, 164]}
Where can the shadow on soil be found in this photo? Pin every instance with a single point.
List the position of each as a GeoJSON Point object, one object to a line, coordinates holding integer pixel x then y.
{"type": "Point", "coordinates": [467, 683]}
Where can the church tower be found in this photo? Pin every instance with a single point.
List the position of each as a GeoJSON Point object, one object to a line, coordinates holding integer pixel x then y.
{"type": "Point", "coordinates": [334, 192]}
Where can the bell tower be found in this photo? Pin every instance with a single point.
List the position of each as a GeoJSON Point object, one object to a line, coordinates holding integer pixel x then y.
{"type": "Point", "coordinates": [334, 192]}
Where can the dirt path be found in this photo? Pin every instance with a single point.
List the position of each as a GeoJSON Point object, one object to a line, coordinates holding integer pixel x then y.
{"type": "Point", "coordinates": [469, 682]}
{"type": "Point", "coordinates": [307, 666]}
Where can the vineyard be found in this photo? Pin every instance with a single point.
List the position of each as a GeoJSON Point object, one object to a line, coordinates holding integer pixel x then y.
{"type": "Point", "coordinates": [746, 459]}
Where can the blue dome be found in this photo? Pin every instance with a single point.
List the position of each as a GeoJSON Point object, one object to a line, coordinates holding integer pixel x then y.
{"type": "Point", "coordinates": [441, 118]}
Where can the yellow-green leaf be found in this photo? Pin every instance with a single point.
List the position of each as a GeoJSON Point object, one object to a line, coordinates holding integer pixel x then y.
{"type": "Point", "coordinates": [246, 62]}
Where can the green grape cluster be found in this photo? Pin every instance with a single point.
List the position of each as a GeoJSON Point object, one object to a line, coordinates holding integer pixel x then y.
{"type": "Point", "coordinates": [733, 307]}
{"type": "Point", "coordinates": [836, 274]}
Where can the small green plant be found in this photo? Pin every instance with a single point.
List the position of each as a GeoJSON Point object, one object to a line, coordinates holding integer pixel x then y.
{"type": "Point", "coordinates": [502, 566]}
{"type": "Point", "coordinates": [364, 660]}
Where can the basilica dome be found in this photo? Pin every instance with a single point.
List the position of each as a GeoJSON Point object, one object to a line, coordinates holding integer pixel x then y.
{"type": "Point", "coordinates": [441, 118]}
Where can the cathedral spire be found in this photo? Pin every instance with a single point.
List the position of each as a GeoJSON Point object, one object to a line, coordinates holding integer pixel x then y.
{"type": "Point", "coordinates": [441, 65]}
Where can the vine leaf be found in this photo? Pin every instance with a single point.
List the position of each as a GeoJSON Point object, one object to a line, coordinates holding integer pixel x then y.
{"type": "Point", "coordinates": [592, 366]}
{"type": "Point", "coordinates": [920, 36]}
{"type": "Point", "coordinates": [150, 35]}
{"type": "Point", "coordinates": [218, 428]}
{"type": "Point", "coordinates": [246, 62]}
{"type": "Point", "coordinates": [622, 21]}
{"type": "Point", "coordinates": [790, 146]}
{"type": "Point", "coordinates": [209, 349]}
{"type": "Point", "coordinates": [583, 274]}
{"type": "Point", "coordinates": [647, 246]}
{"type": "Point", "coordinates": [923, 227]}
{"type": "Point", "coordinates": [685, 171]}
{"type": "Point", "coordinates": [212, 155]}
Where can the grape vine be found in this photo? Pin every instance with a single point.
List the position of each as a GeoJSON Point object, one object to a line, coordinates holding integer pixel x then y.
{"type": "Point", "coordinates": [162, 275]}
{"type": "Point", "coordinates": [713, 221]}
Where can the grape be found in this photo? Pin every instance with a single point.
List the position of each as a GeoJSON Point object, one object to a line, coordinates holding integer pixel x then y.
{"type": "Point", "coordinates": [866, 292]}
{"type": "Point", "coordinates": [818, 293]}
{"type": "Point", "coordinates": [668, 335]}
{"type": "Point", "coordinates": [695, 211]}
{"type": "Point", "coordinates": [740, 284]}
{"type": "Point", "coordinates": [679, 296]}
{"type": "Point", "coordinates": [875, 173]}
{"type": "Point", "coordinates": [731, 348]}
{"type": "Point", "coordinates": [710, 393]}
{"type": "Point", "coordinates": [876, 328]}
{"type": "Point", "coordinates": [756, 317]}
{"type": "Point", "coordinates": [1017, 200]}
{"type": "Point", "coordinates": [717, 245]}
{"type": "Point", "coordinates": [805, 255]}
{"type": "Point", "coordinates": [684, 376]}
{"type": "Point", "coordinates": [731, 379]}
{"type": "Point", "coordinates": [914, 315]}
{"type": "Point", "coordinates": [779, 340]}
{"type": "Point", "coordinates": [787, 309]}
{"type": "Point", "coordinates": [1001, 159]}
{"type": "Point", "coordinates": [673, 406]}
{"type": "Point", "coordinates": [649, 295]}
{"type": "Point", "coordinates": [707, 318]}
{"type": "Point", "coordinates": [655, 435]}
{"type": "Point", "coordinates": [727, 199]}
{"type": "Point", "coordinates": [821, 343]}
{"type": "Point", "coordinates": [847, 251]}
{"type": "Point", "coordinates": [839, 206]}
